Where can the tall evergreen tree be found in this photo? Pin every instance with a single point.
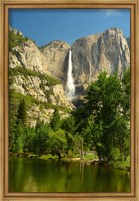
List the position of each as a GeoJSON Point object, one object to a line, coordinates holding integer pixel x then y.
{"type": "Point", "coordinates": [22, 113]}
{"type": "Point", "coordinates": [56, 120]}
{"type": "Point", "coordinates": [41, 138]}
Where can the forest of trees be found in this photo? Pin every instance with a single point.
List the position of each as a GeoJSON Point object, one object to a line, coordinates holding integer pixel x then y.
{"type": "Point", "coordinates": [101, 124]}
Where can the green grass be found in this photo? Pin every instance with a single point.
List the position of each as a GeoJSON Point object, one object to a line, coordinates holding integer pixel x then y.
{"type": "Point", "coordinates": [48, 156]}
{"type": "Point", "coordinates": [21, 70]}
{"type": "Point", "coordinates": [91, 156]}
{"type": "Point", "coordinates": [47, 105]}
{"type": "Point", "coordinates": [64, 109]}
{"type": "Point", "coordinates": [71, 155]}
{"type": "Point", "coordinates": [51, 81]}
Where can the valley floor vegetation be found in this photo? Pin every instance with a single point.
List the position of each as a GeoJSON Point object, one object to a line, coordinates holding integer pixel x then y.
{"type": "Point", "coordinates": [98, 129]}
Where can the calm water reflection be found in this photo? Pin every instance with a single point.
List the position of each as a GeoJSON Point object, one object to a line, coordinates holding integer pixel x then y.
{"type": "Point", "coordinates": [36, 175]}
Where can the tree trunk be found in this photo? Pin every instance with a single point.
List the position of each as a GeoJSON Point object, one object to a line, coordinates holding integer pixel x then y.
{"type": "Point", "coordinates": [59, 155]}
{"type": "Point", "coordinates": [81, 151]}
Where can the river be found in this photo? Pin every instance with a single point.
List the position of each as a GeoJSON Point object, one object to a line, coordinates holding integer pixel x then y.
{"type": "Point", "coordinates": [37, 175]}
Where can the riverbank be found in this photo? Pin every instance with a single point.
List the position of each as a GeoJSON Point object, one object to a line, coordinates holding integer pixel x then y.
{"type": "Point", "coordinates": [89, 159]}
{"type": "Point", "coordinates": [93, 160]}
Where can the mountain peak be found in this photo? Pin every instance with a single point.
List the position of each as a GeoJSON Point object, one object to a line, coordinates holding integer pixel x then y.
{"type": "Point", "coordinates": [35, 69]}
{"type": "Point", "coordinates": [15, 31]}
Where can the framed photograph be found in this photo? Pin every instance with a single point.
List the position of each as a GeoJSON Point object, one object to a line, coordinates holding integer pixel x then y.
{"type": "Point", "coordinates": [69, 100]}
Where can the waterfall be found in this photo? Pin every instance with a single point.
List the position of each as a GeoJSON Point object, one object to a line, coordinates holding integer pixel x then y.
{"type": "Point", "coordinates": [70, 88]}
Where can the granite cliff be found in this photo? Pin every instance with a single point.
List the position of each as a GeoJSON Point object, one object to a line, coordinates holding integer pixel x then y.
{"type": "Point", "coordinates": [41, 73]}
{"type": "Point", "coordinates": [108, 51]}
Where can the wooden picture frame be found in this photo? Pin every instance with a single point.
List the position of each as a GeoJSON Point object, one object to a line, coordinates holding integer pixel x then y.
{"type": "Point", "coordinates": [133, 6]}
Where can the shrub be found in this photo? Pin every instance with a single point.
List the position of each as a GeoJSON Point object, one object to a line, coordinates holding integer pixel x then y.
{"type": "Point", "coordinates": [15, 40]}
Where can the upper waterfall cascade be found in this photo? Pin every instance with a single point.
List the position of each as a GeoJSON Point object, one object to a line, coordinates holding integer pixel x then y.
{"type": "Point", "coordinates": [70, 87]}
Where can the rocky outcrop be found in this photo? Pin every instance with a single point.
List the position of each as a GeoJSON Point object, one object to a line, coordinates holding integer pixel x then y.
{"type": "Point", "coordinates": [128, 41]}
{"type": "Point", "coordinates": [15, 31]}
{"type": "Point", "coordinates": [29, 56]}
{"type": "Point", "coordinates": [44, 97]}
{"type": "Point", "coordinates": [56, 54]}
{"type": "Point", "coordinates": [108, 51]}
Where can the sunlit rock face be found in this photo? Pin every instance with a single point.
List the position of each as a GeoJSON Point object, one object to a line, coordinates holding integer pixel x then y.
{"type": "Point", "coordinates": [75, 66]}
{"type": "Point", "coordinates": [37, 76]}
{"type": "Point", "coordinates": [56, 54]}
{"type": "Point", "coordinates": [108, 51]}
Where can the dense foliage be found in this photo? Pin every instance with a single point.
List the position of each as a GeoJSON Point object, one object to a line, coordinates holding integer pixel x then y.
{"type": "Point", "coordinates": [104, 117]}
{"type": "Point", "coordinates": [101, 125]}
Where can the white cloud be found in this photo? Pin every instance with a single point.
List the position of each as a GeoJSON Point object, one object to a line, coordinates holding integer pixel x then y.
{"type": "Point", "coordinates": [110, 12]}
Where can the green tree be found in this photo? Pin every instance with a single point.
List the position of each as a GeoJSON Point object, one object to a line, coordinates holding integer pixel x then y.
{"type": "Point", "coordinates": [22, 113]}
{"type": "Point", "coordinates": [68, 125]}
{"type": "Point", "coordinates": [18, 119]}
{"type": "Point", "coordinates": [56, 120]}
{"type": "Point", "coordinates": [57, 143]}
{"type": "Point", "coordinates": [41, 138]}
{"type": "Point", "coordinates": [83, 133]}
{"type": "Point", "coordinates": [13, 107]}
{"type": "Point", "coordinates": [101, 118]}
{"type": "Point", "coordinates": [126, 93]}
{"type": "Point", "coordinates": [28, 139]}
{"type": "Point", "coordinates": [18, 144]}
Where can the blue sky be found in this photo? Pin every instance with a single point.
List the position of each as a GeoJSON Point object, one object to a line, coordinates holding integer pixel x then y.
{"type": "Point", "coordinates": [45, 25]}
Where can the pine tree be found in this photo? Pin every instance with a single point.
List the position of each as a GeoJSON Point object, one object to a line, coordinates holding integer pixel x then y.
{"type": "Point", "coordinates": [22, 113]}
{"type": "Point", "coordinates": [55, 121]}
